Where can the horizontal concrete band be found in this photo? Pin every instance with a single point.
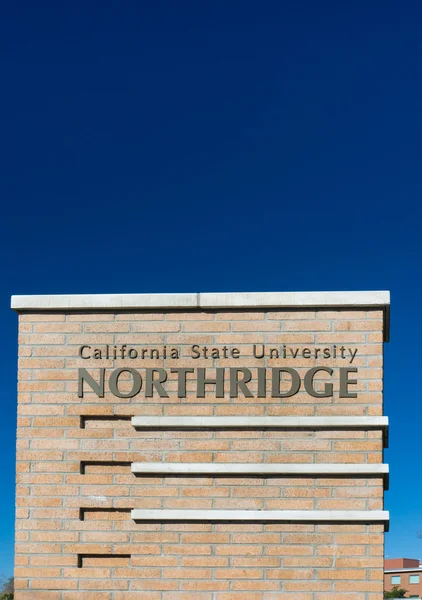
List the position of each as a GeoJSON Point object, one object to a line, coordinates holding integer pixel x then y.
{"type": "Point", "coordinates": [408, 570]}
{"type": "Point", "coordinates": [205, 300]}
{"type": "Point", "coordinates": [292, 423]}
{"type": "Point", "coordinates": [266, 469]}
{"type": "Point", "coordinates": [286, 516]}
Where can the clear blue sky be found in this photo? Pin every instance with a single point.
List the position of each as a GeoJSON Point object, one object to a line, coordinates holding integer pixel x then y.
{"type": "Point", "coordinates": [217, 146]}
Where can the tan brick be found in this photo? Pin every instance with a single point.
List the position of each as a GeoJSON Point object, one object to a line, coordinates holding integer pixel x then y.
{"type": "Point", "coordinates": [58, 327]}
{"type": "Point", "coordinates": [41, 339]}
{"type": "Point", "coordinates": [35, 595]}
{"type": "Point", "coordinates": [86, 596]}
{"type": "Point", "coordinates": [136, 596]}
{"type": "Point", "coordinates": [201, 561]}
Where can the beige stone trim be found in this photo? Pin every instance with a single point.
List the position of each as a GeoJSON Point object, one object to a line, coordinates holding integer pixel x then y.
{"type": "Point", "coordinates": [205, 300]}
{"type": "Point", "coordinates": [294, 516]}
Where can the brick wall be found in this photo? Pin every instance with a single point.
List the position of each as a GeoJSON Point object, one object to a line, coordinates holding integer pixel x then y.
{"type": "Point", "coordinates": [75, 538]}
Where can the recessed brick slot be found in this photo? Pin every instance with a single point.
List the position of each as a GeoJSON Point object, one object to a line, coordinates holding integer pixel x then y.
{"type": "Point", "coordinates": [100, 466]}
{"type": "Point", "coordinates": [104, 514]}
{"type": "Point", "coordinates": [103, 560]}
{"type": "Point", "coordinates": [103, 421]}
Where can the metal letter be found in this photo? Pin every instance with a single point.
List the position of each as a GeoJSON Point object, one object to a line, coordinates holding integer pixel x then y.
{"type": "Point", "coordinates": [235, 383]}
{"type": "Point", "coordinates": [262, 382]}
{"type": "Point", "coordinates": [218, 382]}
{"type": "Point", "coordinates": [81, 350]}
{"type": "Point", "coordinates": [181, 380]}
{"type": "Point", "coordinates": [309, 383]}
{"type": "Point", "coordinates": [345, 382]}
{"type": "Point", "coordinates": [136, 386]}
{"type": "Point", "coordinates": [150, 383]}
{"type": "Point", "coordinates": [295, 387]}
{"type": "Point", "coordinates": [98, 388]}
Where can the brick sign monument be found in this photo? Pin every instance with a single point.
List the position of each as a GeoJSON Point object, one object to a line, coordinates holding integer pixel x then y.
{"type": "Point", "coordinates": [201, 446]}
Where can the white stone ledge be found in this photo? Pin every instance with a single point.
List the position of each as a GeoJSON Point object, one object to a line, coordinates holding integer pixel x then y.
{"type": "Point", "coordinates": [265, 469]}
{"type": "Point", "coordinates": [104, 302]}
{"type": "Point", "coordinates": [291, 516]}
{"type": "Point", "coordinates": [204, 300]}
{"type": "Point", "coordinates": [294, 299]}
{"type": "Point", "coordinates": [263, 423]}
{"type": "Point", "coordinates": [259, 422]}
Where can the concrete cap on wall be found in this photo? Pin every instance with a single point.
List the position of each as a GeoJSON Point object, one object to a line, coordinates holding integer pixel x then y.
{"type": "Point", "coordinates": [207, 301]}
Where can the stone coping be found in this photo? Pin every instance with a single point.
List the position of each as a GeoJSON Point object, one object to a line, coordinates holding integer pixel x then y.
{"type": "Point", "coordinates": [264, 469]}
{"type": "Point", "coordinates": [251, 422]}
{"type": "Point", "coordinates": [286, 516]}
{"type": "Point", "coordinates": [202, 300]}
{"type": "Point", "coordinates": [207, 301]}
